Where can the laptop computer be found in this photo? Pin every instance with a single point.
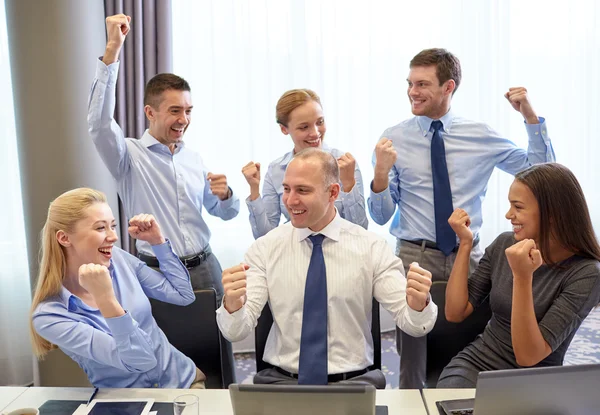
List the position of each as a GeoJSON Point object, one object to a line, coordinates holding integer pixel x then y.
{"type": "Point", "coordinates": [559, 390]}
{"type": "Point", "coordinates": [302, 400]}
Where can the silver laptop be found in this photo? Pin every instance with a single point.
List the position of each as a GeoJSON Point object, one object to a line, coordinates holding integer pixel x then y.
{"type": "Point", "coordinates": [302, 400]}
{"type": "Point", "coordinates": [560, 390]}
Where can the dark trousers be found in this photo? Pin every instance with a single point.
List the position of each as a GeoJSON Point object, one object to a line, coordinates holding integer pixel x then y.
{"type": "Point", "coordinates": [273, 376]}
{"type": "Point", "coordinates": [413, 350]}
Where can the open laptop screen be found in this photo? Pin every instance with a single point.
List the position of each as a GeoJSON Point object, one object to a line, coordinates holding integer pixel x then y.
{"type": "Point", "coordinates": [301, 400]}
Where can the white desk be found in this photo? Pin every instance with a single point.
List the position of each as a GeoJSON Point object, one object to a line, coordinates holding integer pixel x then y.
{"type": "Point", "coordinates": [9, 394]}
{"type": "Point", "coordinates": [431, 396]}
{"type": "Point", "coordinates": [214, 401]}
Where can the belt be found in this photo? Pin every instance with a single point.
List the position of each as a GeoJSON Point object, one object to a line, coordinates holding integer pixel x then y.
{"type": "Point", "coordinates": [433, 245]}
{"type": "Point", "coordinates": [331, 378]}
{"type": "Point", "coordinates": [190, 261]}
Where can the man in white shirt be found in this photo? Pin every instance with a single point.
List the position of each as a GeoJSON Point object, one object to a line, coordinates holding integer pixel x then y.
{"type": "Point", "coordinates": [321, 333]}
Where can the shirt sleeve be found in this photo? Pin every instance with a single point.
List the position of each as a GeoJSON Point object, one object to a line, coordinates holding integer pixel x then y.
{"type": "Point", "coordinates": [580, 294]}
{"type": "Point", "coordinates": [238, 325]}
{"type": "Point", "coordinates": [225, 209]}
{"type": "Point", "coordinates": [172, 284]}
{"type": "Point", "coordinates": [480, 281]}
{"type": "Point", "coordinates": [265, 211]}
{"type": "Point", "coordinates": [351, 205]}
{"type": "Point", "coordinates": [104, 130]}
{"type": "Point", "coordinates": [127, 347]}
{"type": "Point", "coordinates": [539, 150]}
{"type": "Point", "coordinates": [389, 288]}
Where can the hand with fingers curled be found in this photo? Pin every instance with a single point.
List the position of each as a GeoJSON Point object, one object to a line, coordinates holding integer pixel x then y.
{"type": "Point", "coordinates": [523, 258]}
{"type": "Point", "coordinates": [234, 287]}
{"type": "Point", "coordinates": [347, 165]}
{"type": "Point", "coordinates": [251, 172]}
{"type": "Point", "coordinates": [117, 28]}
{"type": "Point", "coordinates": [519, 100]}
{"type": "Point", "coordinates": [219, 186]}
{"type": "Point", "coordinates": [418, 285]}
{"type": "Point", "coordinates": [145, 228]}
{"type": "Point", "coordinates": [385, 155]}
{"type": "Point", "coordinates": [96, 280]}
{"type": "Point", "coordinates": [459, 222]}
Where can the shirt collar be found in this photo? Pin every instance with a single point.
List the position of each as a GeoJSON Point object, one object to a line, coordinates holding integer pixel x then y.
{"type": "Point", "coordinates": [287, 157]}
{"type": "Point", "coordinates": [148, 141]}
{"type": "Point", "coordinates": [331, 231]}
{"type": "Point", "coordinates": [425, 123]}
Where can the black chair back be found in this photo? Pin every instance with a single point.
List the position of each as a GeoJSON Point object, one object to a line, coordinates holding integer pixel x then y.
{"type": "Point", "coordinates": [447, 339]}
{"type": "Point", "coordinates": [193, 330]}
{"type": "Point", "coordinates": [265, 321]}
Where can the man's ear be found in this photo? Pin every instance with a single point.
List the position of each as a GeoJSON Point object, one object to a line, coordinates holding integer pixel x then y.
{"type": "Point", "coordinates": [150, 112]}
{"type": "Point", "coordinates": [334, 191]}
{"type": "Point", "coordinates": [450, 87]}
{"type": "Point", "coordinates": [63, 238]}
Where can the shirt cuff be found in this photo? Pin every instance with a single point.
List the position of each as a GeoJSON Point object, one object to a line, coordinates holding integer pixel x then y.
{"type": "Point", "coordinates": [227, 203]}
{"type": "Point", "coordinates": [230, 323]}
{"type": "Point", "coordinates": [377, 204]}
{"type": "Point", "coordinates": [535, 131]}
{"type": "Point", "coordinates": [164, 250]}
{"type": "Point", "coordinates": [121, 326]}
{"type": "Point", "coordinates": [255, 207]}
{"type": "Point", "coordinates": [107, 74]}
{"type": "Point", "coordinates": [352, 197]}
{"type": "Point", "coordinates": [423, 320]}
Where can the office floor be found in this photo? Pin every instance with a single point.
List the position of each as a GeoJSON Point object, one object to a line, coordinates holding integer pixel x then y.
{"type": "Point", "coordinates": [585, 348]}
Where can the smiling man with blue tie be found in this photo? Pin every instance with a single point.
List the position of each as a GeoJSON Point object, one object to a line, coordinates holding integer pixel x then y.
{"type": "Point", "coordinates": [435, 162]}
{"type": "Point", "coordinates": [319, 273]}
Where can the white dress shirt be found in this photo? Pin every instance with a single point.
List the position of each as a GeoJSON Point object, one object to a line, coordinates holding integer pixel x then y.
{"type": "Point", "coordinates": [359, 266]}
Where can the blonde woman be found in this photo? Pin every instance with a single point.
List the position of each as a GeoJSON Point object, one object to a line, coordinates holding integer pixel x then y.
{"type": "Point", "coordinates": [300, 115]}
{"type": "Point", "coordinates": [91, 297]}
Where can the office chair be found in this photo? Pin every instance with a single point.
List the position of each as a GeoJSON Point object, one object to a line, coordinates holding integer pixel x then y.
{"type": "Point", "coordinates": [193, 330]}
{"type": "Point", "coordinates": [265, 321]}
{"type": "Point", "coordinates": [447, 339]}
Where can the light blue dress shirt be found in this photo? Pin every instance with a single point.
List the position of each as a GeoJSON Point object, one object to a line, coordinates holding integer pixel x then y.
{"type": "Point", "coordinates": [172, 187]}
{"type": "Point", "coordinates": [130, 351]}
{"type": "Point", "coordinates": [473, 150]}
{"type": "Point", "coordinates": [265, 211]}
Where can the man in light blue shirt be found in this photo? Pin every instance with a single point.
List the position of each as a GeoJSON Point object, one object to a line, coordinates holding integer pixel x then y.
{"type": "Point", "coordinates": [158, 174]}
{"type": "Point", "coordinates": [403, 175]}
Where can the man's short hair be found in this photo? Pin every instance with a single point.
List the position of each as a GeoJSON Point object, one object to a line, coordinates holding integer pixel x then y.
{"type": "Point", "coordinates": [329, 165]}
{"type": "Point", "coordinates": [447, 66]}
{"type": "Point", "coordinates": [161, 83]}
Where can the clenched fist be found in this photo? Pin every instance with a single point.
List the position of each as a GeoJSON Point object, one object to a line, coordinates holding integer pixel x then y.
{"type": "Point", "coordinates": [95, 279]}
{"type": "Point", "coordinates": [520, 102]}
{"type": "Point", "coordinates": [117, 27]}
{"type": "Point", "coordinates": [347, 164]}
{"type": "Point", "coordinates": [459, 222]}
{"type": "Point", "coordinates": [524, 258]}
{"type": "Point", "coordinates": [418, 284]}
{"type": "Point", "coordinates": [218, 185]}
{"type": "Point", "coordinates": [234, 287]}
{"type": "Point", "coordinates": [385, 155]}
{"type": "Point", "coordinates": [251, 172]}
{"type": "Point", "coordinates": [145, 228]}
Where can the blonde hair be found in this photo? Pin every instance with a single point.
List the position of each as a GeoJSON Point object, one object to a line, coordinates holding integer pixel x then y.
{"type": "Point", "coordinates": [63, 214]}
{"type": "Point", "coordinates": [291, 100]}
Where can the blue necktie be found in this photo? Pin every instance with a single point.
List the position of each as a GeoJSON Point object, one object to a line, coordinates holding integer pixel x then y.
{"type": "Point", "coordinates": [445, 237]}
{"type": "Point", "coordinates": [312, 367]}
